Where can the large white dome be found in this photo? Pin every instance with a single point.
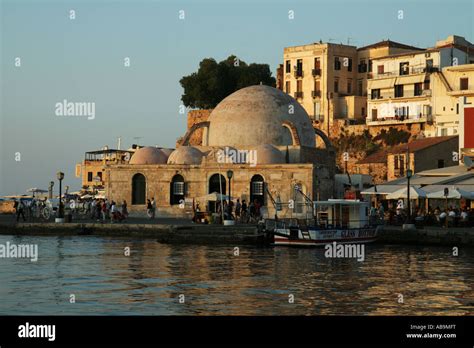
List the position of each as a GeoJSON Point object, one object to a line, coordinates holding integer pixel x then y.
{"type": "Point", "coordinates": [258, 115]}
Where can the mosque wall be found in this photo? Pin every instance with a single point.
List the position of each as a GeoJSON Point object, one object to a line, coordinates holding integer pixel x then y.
{"type": "Point", "coordinates": [279, 180]}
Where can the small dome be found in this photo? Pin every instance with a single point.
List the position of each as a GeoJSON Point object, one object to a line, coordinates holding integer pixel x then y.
{"type": "Point", "coordinates": [148, 155]}
{"type": "Point", "coordinates": [185, 155]}
{"type": "Point", "coordinates": [268, 154]}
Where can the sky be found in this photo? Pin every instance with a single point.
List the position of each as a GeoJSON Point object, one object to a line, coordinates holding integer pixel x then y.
{"type": "Point", "coordinates": [82, 60]}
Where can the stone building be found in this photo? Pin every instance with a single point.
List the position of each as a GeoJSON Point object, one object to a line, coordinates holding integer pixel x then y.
{"type": "Point", "coordinates": [418, 155]}
{"type": "Point", "coordinates": [259, 134]}
{"type": "Point", "coordinates": [414, 88]}
{"type": "Point", "coordinates": [330, 80]}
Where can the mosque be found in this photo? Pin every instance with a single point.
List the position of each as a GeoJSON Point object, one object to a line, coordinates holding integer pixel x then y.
{"type": "Point", "coordinates": [257, 144]}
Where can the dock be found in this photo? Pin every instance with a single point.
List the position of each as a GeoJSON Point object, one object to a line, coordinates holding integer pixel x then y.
{"type": "Point", "coordinates": [162, 232]}
{"type": "Point", "coordinates": [429, 235]}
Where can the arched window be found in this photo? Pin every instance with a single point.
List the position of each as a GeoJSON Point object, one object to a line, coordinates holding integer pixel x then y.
{"type": "Point", "coordinates": [257, 189]}
{"type": "Point", "coordinates": [177, 189]}
{"type": "Point", "coordinates": [216, 184]}
{"type": "Point", "coordinates": [138, 189]}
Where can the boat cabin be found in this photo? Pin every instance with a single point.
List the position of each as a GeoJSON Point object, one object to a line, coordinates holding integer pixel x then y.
{"type": "Point", "coordinates": [341, 213]}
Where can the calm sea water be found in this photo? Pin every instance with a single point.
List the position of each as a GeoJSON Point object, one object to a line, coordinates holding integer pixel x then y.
{"type": "Point", "coordinates": [215, 282]}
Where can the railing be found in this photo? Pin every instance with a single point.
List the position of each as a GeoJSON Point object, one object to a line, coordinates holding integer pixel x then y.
{"type": "Point", "coordinates": [406, 94]}
{"type": "Point", "coordinates": [298, 94]}
{"type": "Point", "coordinates": [316, 72]}
{"type": "Point", "coordinates": [412, 70]}
{"type": "Point", "coordinates": [316, 94]}
{"type": "Point", "coordinates": [400, 120]}
{"type": "Point", "coordinates": [298, 73]}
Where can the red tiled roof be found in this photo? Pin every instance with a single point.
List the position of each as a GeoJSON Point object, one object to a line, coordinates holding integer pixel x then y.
{"type": "Point", "coordinates": [389, 43]}
{"type": "Point", "coordinates": [413, 146]}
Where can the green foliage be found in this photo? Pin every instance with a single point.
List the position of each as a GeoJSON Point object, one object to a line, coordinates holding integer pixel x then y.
{"type": "Point", "coordinates": [356, 143]}
{"type": "Point", "coordinates": [214, 81]}
{"type": "Point", "coordinates": [393, 136]}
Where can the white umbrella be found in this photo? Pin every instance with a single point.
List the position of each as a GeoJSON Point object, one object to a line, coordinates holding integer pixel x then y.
{"type": "Point", "coordinates": [454, 193]}
{"type": "Point", "coordinates": [402, 193]}
{"type": "Point", "coordinates": [36, 190]}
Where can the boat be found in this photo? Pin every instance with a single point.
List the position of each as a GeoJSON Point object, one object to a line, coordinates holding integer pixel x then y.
{"type": "Point", "coordinates": [336, 220]}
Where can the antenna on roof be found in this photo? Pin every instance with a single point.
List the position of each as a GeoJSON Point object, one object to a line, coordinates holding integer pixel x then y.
{"type": "Point", "coordinates": [137, 139]}
{"type": "Point", "coordinates": [349, 40]}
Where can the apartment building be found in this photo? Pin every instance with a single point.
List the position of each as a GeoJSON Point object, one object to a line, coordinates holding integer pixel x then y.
{"type": "Point", "coordinates": [330, 80]}
{"type": "Point", "coordinates": [412, 87]}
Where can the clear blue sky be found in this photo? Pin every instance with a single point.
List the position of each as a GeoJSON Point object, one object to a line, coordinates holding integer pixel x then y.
{"type": "Point", "coordinates": [82, 60]}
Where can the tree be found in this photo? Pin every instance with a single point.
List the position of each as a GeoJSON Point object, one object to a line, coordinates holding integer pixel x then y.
{"type": "Point", "coordinates": [214, 81]}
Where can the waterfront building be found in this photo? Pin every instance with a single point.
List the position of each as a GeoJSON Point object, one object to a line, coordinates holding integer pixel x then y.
{"type": "Point", "coordinates": [418, 155]}
{"type": "Point", "coordinates": [259, 135]}
{"type": "Point", "coordinates": [415, 88]}
{"type": "Point", "coordinates": [330, 80]}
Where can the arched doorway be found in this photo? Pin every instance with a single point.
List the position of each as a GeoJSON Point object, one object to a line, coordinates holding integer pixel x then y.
{"type": "Point", "coordinates": [138, 189]}
{"type": "Point", "coordinates": [257, 189]}
{"type": "Point", "coordinates": [177, 189]}
{"type": "Point", "coordinates": [217, 183]}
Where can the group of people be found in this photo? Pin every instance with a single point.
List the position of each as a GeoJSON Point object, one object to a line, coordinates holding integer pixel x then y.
{"type": "Point", "coordinates": [103, 209]}
{"type": "Point", "coordinates": [397, 214]}
{"type": "Point", "coordinates": [240, 211]}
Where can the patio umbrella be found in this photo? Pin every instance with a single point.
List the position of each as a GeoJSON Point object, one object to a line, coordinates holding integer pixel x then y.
{"type": "Point", "coordinates": [402, 193]}
{"type": "Point", "coordinates": [36, 190]}
{"type": "Point", "coordinates": [454, 193]}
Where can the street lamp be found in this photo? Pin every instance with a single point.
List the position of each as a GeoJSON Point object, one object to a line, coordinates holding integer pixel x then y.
{"type": "Point", "coordinates": [60, 176]}
{"type": "Point", "coordinates": [409, 175]}
{"type": "Point", "coordinates": [230, 173]}
{"type": "Point", "coordinates": [50, 190]}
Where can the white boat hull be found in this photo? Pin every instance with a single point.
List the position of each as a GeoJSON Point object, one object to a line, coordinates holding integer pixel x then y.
{"type": "Point", "coordinates": [322, 237]}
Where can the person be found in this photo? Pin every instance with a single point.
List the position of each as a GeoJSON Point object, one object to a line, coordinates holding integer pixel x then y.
{"type": "Point", "coordinates": [20, 210]}
{"type": "Point", "coordinates": [124, 209]}
{"type": "Point", "coordinates": [381, 212]}
{"type": "Point", "coordinates": [252, 210]}
{"type": "Point", "coordinates": [153, 208]}
{"type": "Point", "coordinates": [238, 207]}
{"type": "Point", "coordinates": [464, 218]}
{"type": "Point", "coordinates": [244, 213]}
{"type": "Point", "coordinates": [442, 218]}
{"type": "Point", "coordinates": [373, 214]}
{"type": "Point", "coordinates": [113, 212]}
{"type": "Point", "coordinates": [257, 208]}
{"type": "Point", "coordinates": [93, 206]}
{"type": "Point", "coordinates": [149, 208]}
{"type": "Point", "coordinates": [104, 211]}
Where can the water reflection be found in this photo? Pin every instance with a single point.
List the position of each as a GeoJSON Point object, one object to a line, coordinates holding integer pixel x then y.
{"type": "Point", "coordinates": [216, 282]}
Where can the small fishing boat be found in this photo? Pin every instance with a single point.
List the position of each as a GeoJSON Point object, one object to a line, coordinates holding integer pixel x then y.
{"type": "Point", "coordinates": [336, 220]}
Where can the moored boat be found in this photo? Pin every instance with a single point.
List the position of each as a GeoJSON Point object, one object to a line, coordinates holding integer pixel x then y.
{"type": "Point", "coordinates": [336, 220]}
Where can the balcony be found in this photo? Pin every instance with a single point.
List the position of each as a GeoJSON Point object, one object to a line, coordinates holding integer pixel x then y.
{"type": "Point", "coordinates": [412, 70]}
{"type": "Point", "coordinates": [383, 121]}
{"type": "Point", "coordinates": [411, 94]}
{"type": "Point", "coordinates": [316, 72]}
{"type": "Point", "coordinates": [298, 73]}
{"type": "Point", "coordinates": [316, 94]}
{"type": "Point", "coordinates": [298, 95]}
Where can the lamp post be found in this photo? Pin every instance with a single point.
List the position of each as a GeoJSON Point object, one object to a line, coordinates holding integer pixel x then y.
{"type": "Point", "coordinates": [50, 190]}
{"type": "Point", "coordinates": [60, 176]}
{"type": "Point", "coordinates": [409, 175]}
{"type": "Point", "coordinates": [230, 173]}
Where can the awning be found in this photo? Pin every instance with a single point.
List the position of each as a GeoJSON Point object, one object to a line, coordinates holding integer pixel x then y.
{"type": "Point", "coordinates": [410, 79]}
{"type": "Point", "coordinates": [381, 83]}
{"type": "Point", "coordinates": [402, 193]}
{"type": "Point", "coordinates": [382, 189]}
